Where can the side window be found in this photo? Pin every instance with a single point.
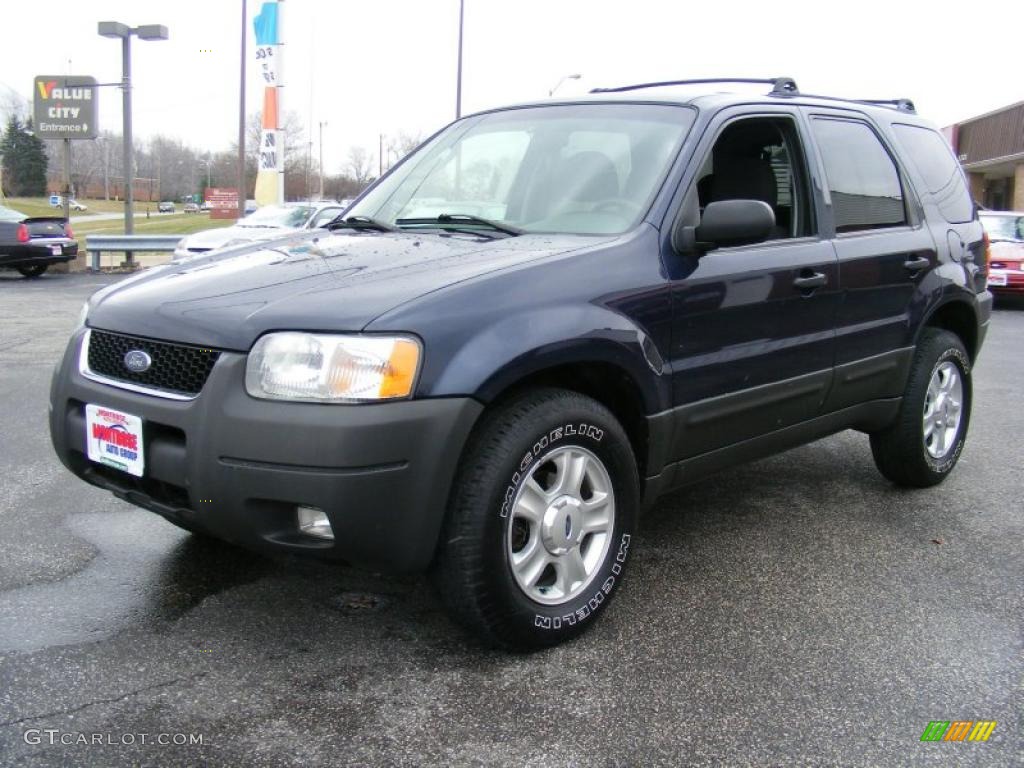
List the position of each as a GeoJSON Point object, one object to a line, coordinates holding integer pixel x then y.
{"type": "Point", "coordinates": [934, 160]}
{"type": "Point", "coordinates": [760, 159]}
{"type": "Point", "coordinates": [862, 177]}
{"type": "Point", "coordinates": [326, 216]}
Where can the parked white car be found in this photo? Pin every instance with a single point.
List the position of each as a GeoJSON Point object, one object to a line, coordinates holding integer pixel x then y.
{"type": "Point", "coordinates": [58, 202]}
{"type": "Point", "coordinates": [266, 222]}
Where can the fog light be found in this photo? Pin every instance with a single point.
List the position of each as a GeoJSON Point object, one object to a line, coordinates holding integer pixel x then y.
{"type": "Point", "coordinates": [314, 522]}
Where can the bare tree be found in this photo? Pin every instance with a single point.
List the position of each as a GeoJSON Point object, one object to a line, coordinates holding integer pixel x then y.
{"type": "Point", "coordinates": [404, 143]}
{"type": "Point", "coordinates": [13, 104]}
{"type": "Point", "coordinates": [360, 165]}
{"type": "Point", "coordinates": [294, 138]}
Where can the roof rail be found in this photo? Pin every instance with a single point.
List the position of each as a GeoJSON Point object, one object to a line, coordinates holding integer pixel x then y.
{"type": "Point", "coordinates": [781, 86]}
{"type": "Point", "coordinates": [903, 105]}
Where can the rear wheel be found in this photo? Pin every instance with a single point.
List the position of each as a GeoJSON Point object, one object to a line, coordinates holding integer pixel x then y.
{"type": "Point", "coordinates": [34, 271]}
{"type": "Point", "coordinates": [540, 520]}
{"type": "Point", "coordinates": [924, 443]}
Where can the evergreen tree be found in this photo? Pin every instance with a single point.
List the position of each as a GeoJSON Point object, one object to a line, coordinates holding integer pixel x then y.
{"type": "Point", "coordinates": [24, 160]}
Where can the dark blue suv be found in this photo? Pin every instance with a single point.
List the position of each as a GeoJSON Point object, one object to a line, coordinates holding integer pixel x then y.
{"type": "Point", "coordinates": [541, 320]}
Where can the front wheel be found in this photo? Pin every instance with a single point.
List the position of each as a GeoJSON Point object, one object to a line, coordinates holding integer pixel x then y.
{"type": "Point", "coordinates": [33, 271]}
{"type": "Point", "coordinates": [923, 444]}
{"type": "Point", "coordinates": [540, 522]}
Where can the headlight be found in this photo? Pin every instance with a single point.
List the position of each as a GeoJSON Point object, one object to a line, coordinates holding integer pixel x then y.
{"type": "Point", "coordinates": [326, 368]}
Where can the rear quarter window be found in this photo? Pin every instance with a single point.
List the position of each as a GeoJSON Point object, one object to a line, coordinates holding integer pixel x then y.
{"type": "Point", "coordinates": [934, 161]}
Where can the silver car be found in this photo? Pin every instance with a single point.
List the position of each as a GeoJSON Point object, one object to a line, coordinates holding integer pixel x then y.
{"type": "Point", "coordinates": [266, 222]}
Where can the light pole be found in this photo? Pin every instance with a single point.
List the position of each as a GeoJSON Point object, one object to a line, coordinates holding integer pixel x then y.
{"type": "Point", "coordinates": [123, 31]}
{"type": "Point", "coordinates": [322, 124]}
{"type": "Point", "coordinates": [559, 84]}
{"type": "Point", "coordinates": [206, 162]}
{"type": "Point", "coordinates": [458, 76]}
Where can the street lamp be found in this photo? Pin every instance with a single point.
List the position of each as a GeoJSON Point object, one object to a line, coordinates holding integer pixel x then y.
{"type": "Point", "coordinates": [206, 162]}
{"type": "Point", "coordinates": [559, 83]}
{"type": "Point", "coordinates": [123, 31]}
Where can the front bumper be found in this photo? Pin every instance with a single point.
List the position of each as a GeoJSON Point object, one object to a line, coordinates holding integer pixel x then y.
{"type": "Point", "coordinates": [237, 467]}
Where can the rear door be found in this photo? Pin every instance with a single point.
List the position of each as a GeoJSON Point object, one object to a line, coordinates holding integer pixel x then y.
{"type": "Point", "coordinates": [883, 247]}
{"type": "Point", "coordinates": [753, 325]}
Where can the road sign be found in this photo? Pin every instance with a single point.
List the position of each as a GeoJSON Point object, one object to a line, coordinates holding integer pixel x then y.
{"type": "Point", "coordinates": [64, 107]}
{"type": "Point", "coordinates": [223, 202]}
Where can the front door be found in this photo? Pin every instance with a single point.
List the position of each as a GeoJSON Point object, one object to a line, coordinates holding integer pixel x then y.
{"type": "Point", "coordinates": [753, 326]}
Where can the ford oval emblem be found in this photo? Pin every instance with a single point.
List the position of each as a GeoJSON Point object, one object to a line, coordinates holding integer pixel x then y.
{"type": "Point", "coordinates": [137, 361]}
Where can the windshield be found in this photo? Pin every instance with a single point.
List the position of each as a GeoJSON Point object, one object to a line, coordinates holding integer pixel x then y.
{"type": "Point", "coordinates": [576, 169]}
{"type": "Point", "coordinates": [278, 216]}
{"type": "Point", "coordinates": [1003, 227]}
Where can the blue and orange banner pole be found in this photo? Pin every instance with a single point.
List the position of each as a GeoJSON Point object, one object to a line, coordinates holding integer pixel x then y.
{"type": "Point", "coordinates": [270, 159]}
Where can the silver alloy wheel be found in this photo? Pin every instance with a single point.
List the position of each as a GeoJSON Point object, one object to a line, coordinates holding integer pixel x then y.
{"type": "Point", "coordinates": [943, 406]}
{"type": "Point", "coordinates": [561, 524]}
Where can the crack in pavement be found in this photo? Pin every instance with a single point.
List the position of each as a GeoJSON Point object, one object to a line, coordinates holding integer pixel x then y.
{"type": "Point", "coordinates": [130, 694]}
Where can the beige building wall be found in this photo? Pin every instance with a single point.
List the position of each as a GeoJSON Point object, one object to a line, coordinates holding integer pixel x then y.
{"type": "Point", "coordinates": [1018, 188]}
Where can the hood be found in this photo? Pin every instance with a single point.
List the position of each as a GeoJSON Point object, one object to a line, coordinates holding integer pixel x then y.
{"type": "Point", "coordinates": [209, 239]}
{"type": "Point", "coordinates": [312, 281]}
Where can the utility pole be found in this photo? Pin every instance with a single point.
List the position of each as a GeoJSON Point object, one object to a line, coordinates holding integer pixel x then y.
{"type": "Point", "coordinates": [309, 164]}
{"type": "Point", "coordinates": [241, 123]}
{"type": "Point", "coordinates": [322, 124]}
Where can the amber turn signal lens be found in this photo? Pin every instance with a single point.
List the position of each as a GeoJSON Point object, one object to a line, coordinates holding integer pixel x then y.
{"type": "Point", "coordinates": [401, 371]}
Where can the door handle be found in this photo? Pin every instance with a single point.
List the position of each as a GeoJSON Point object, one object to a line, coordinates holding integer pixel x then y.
{"type": "Point", "coordinates": [808, 282]}
{"type": "Point", "coordinates": [916, 265]}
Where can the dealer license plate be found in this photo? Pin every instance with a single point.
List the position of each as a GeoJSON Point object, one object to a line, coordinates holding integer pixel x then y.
{"type": "Point", "coordinates": [997, 278]}
{"type": "Point", "coordinates": [114, 438]}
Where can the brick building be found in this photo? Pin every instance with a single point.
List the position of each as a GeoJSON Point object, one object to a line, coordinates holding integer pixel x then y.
{"type": "Point", "coordinates": [991, 149]}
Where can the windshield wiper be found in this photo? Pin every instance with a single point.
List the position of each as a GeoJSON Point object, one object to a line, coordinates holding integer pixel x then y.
{"type": "Point", "coordinates": [360, 222]}
{"type": "Point", "coordinates": [468, 218]}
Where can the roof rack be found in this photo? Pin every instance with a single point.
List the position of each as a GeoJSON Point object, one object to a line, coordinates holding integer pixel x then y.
{"type": "Point", "coordinates": [781, 86]}
{"type": "Point", "coordinates": [903, 105]}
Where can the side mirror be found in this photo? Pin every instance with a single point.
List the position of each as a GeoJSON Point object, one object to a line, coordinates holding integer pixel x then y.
{"type": "Point", "coordinates": [728, 222]}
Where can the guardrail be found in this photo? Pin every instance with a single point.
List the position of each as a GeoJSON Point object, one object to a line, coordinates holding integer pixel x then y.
{"type": "Point", "coordinates": [128, 244]}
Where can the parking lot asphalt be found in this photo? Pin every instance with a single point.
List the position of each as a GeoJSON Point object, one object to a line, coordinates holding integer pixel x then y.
{"type": "Point", "coordinates": [798, 611]}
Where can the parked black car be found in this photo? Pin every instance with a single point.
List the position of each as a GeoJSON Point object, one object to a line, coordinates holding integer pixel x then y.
{"type": "Point", "coordinates": [540, 321]}
{"type": "Point", "coordinates": [31, 245]}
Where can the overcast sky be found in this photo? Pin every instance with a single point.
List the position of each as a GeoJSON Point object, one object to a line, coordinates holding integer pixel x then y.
{"type": "Point", "coordinates": [384, 66]}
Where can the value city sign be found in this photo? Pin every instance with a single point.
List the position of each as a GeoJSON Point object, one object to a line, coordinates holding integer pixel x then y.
{"type": "Point", "coordinates": [64, 107]}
